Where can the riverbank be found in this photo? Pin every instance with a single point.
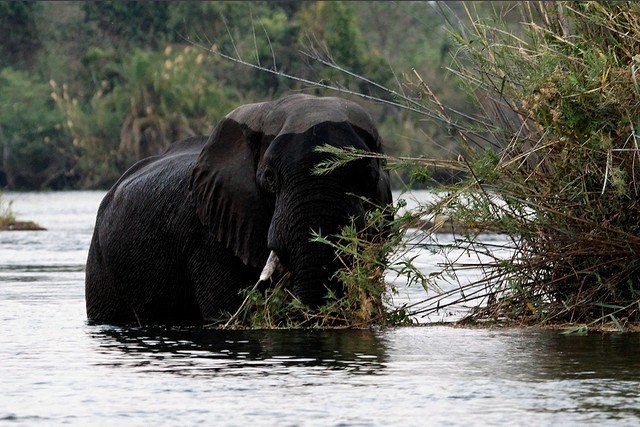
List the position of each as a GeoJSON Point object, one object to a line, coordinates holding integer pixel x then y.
{"type": "Point", "coordinates": [8, 221]}
{"type": "Point", "coordinates": [20, 226]}
{"type": "Point", "coordinates": [444, 224]}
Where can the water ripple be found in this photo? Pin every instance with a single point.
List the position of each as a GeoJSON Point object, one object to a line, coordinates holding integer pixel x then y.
{"type": "Point", "coordinates": [57, 370]}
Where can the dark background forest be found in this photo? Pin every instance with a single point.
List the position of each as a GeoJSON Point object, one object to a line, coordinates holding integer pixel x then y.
{"type": "Point", "coordinates": [88, 88]}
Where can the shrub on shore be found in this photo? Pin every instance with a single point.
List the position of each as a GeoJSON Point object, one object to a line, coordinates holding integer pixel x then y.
{"type": "Point", "coordinates": [6, 214]}
{"type": "Point", "coordinates": [554, 161]}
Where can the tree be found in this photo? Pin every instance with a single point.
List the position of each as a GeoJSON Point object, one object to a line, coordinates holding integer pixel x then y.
{"type": "Point", "coordinates": [19, 32]}
{"type": "Point", "coordinates": [36, 152]}
{"type": "Point", "coordinates": [131, 23]}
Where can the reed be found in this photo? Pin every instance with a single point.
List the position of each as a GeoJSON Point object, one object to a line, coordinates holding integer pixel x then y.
{"type": "Point", "coordinates": [7, 217]}
{"type": "Point", "coordinates": [557, 168]}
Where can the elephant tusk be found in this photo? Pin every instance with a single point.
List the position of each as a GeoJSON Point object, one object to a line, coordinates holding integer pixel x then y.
{"type": "Point", "coordinates": [272, 265]}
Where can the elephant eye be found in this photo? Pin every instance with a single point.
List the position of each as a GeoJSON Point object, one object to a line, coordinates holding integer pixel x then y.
{"type": "Point", "coordinates": [269, 179]}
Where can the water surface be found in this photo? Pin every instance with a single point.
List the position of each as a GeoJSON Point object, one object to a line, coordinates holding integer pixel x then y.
{"type": "Point", "coordinates": [55, 369]}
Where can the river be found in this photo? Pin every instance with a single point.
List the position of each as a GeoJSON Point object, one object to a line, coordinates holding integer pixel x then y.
{"type": "Point", "coordinates": [55, 369]}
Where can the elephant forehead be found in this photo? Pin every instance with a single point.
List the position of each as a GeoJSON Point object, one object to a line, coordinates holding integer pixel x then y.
{"type": "Point", "coordinates": [298, 113]}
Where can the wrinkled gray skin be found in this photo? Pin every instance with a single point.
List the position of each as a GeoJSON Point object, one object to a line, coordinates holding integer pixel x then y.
{"type": "Point", "coordinates": [180, 234]}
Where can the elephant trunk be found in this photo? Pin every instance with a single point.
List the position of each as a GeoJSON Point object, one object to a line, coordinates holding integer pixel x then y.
{"type": "Point", "coordinates": [313, 264]}
{"type": "Point", "coordinates": [313, 275]}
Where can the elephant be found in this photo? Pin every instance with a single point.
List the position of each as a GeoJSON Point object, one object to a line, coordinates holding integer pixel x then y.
{"type": "Point", "coordinates": [180, 235]}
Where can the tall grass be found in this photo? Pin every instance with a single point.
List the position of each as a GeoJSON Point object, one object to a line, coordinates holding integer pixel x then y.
{"type": "Point", "coordinates": [557, 168]}
{"type": "Point", "coordinates": [7, 216]}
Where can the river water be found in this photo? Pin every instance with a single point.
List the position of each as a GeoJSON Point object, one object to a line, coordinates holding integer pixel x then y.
{"type": "Point", "coordinates": [55, 369]}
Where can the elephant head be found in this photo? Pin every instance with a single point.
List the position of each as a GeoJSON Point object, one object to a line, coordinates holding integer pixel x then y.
{"type": "Point", "coordinates": [254, 188]}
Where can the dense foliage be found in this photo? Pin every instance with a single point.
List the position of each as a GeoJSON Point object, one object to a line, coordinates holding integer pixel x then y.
{"type": "Point", "coordinates": [90, 87]}
{"type": "Point", "coordinates": [553, 163]}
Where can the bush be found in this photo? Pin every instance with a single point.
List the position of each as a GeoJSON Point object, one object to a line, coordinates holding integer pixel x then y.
{"type": "Point", "coordinates": [6, 213]}
{"type": "Point", "coordinates": [34, 146]}
{"type": "Point", "coordinates": [554, 161]}
{"type": "Point", "coordinates": [143, 104]}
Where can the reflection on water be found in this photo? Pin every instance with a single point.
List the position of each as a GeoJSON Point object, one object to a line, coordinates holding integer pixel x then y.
{"type": "Point", "coordinates": [44, 268]}
{"type": "Point", "coordinates": [594, 357]}
{"type": "Point", "coordinates": [198, 351]}
{"type": "Point", "coordinates": [55, 369]}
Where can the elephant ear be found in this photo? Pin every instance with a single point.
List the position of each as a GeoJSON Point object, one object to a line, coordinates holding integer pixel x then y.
{"type": "Point", "coordinates": [224, 190]}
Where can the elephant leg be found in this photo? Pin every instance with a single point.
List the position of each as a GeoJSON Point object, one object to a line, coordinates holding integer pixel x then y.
{"type": "Point", "coordinates": [103, 302]}
{"type": "Point", "coordinates": [127, 286]}
{"type": "Point", "coordinates": [106, 306]}
{"type": "Point", "coordinates": [218, 278]}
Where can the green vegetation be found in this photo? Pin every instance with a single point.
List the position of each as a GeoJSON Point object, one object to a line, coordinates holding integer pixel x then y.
{"type": "Point", "coordinates": [160, 97]}
{"type": "Point", "coordinates": [6, 214]}
{"type": "Point", "coordinates": [34, 145]}
{"type": "Point", "coordinates": [552, 163]}
{"type": "Point", "coordinates": [87, 88]}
